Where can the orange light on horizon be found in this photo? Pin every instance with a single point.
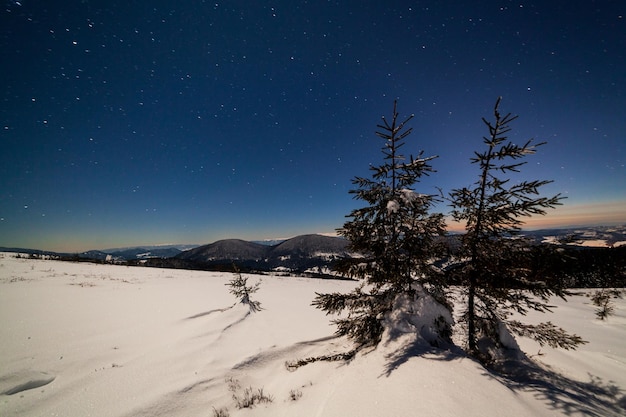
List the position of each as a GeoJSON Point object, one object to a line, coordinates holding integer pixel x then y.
{"type": "Point", "coordinates": [590, 214]}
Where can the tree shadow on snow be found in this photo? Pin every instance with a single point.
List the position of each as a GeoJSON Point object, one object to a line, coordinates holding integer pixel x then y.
{"type": "Point", "coordinates": [571, 397]}
{"type": "Point", "coordinates": [222, 310]}
{"type": "Point", "coordinates": [596, 397]}
{"type": "Point", "coordinates": [402, 355]}
{"type": "Point", "coordinates": [231, 325]}
{"type": "Point", "coordinates": [418, 347]}
{"type": "Point", "coordinates": [206, 313]}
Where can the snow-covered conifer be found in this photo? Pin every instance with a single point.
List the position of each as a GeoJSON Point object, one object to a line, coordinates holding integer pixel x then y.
{"type": "Point", "coordinates": [396, 235]}
{"type": "Point", "coordinates": [500, 270]}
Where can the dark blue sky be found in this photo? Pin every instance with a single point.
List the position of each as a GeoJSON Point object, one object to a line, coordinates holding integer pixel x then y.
{"type": "Point", "coordinates": [145, 122]}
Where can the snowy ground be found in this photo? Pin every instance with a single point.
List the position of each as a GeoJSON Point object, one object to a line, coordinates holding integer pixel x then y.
{"type": "Point", "coordinates": [103, 340]}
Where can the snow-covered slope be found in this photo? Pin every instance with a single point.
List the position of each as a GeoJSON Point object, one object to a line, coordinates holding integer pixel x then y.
{"type": "Point", "coordinates": [104, 340]}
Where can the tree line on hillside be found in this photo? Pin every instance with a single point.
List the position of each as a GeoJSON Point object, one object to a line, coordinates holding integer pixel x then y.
{"type": "Point", "coordinates": [574, 266]}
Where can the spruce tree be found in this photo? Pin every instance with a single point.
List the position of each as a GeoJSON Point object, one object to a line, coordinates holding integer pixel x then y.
{"type": "Point", "coordinates": [241, 290]}
{"type": "Point", "coordinates": [501, 271]}
{"type": "Point", "coordinates": [396, 236]}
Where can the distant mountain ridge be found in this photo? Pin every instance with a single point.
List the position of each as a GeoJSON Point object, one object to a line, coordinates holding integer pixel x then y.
{"type": "Point", "coordinates": [133, 253]}
{"type": "Point", "coordinates": [118, 254]}
{"type": "Point", "coordinates": [306, 253]}
{"type": "Point", "coordinates": [227, 249]}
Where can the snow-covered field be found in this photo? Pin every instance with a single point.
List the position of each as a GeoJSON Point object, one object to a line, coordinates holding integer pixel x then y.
{"type": "Point", "coordinates": [104, 340]}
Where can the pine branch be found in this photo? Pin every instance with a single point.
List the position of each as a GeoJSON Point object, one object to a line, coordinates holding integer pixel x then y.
{"type": "Point", "coordinates": [547, 334]}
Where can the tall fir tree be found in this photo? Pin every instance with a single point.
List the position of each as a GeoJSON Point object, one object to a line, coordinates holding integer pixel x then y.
{"type": "Point", "coordinates": [396, 235]}
{"type": "Point", "coordinates": [501, 271]}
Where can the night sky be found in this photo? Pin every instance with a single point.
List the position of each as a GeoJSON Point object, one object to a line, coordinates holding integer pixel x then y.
{"type": "Point", "coordinates": [151, 122]}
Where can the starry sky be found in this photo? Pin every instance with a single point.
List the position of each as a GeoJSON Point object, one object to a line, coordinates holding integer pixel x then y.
{"type": "Point", "coordinates": [151, 122]}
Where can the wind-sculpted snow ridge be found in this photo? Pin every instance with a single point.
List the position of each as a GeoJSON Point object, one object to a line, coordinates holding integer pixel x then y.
{"type": "Point", "coordinates": [156, 342]}
{"type": "Point", "coordinates": [23, 381]}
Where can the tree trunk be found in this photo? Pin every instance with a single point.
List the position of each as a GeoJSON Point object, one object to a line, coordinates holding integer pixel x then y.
{"type": "Point", "coordinates": [471, 314]}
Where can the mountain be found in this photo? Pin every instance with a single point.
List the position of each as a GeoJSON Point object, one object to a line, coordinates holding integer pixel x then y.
{"type": "Point", "coordinates": [135, 253]}
{"type": "Point", "coordinates": [94, 254]}
{"type": "Point", "coordinates": [312, 246]}
{"type": "Point", "coordinates": [129, 254]}
{"type": "Point", "coordinates": [28, 251]}
{"type": "Point", "coordinates": [312, 253]}
{"type": "Point", "coordinates": [144, 253]}
{"type": "Point", "coordinates": [317, 254]}
{"type": "Point", "coordinates": [117, 254]}
{"type": "Point", "coordinates": [269, 242]}
{"type": "Point", "coordinates": [227, 250]}
{"type": "Point", "coordinates": [306, 253]}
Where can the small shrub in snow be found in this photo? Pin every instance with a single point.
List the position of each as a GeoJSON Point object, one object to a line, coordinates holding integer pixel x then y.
{"type": "Point", "coordinates": [252, 397]}
{"type": "Point", "coordinates": [222, 412]}
{"type": "Point", "coordinates": [295, 394]}
{"type": "Point", "coordinates": [603, 300]}
{"type": "Point", "coordinates": [239, 288]}
{"type": "Point", "coordinates": [249, 397]}
{"type": "Point", "coordinates": [233, 384]}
